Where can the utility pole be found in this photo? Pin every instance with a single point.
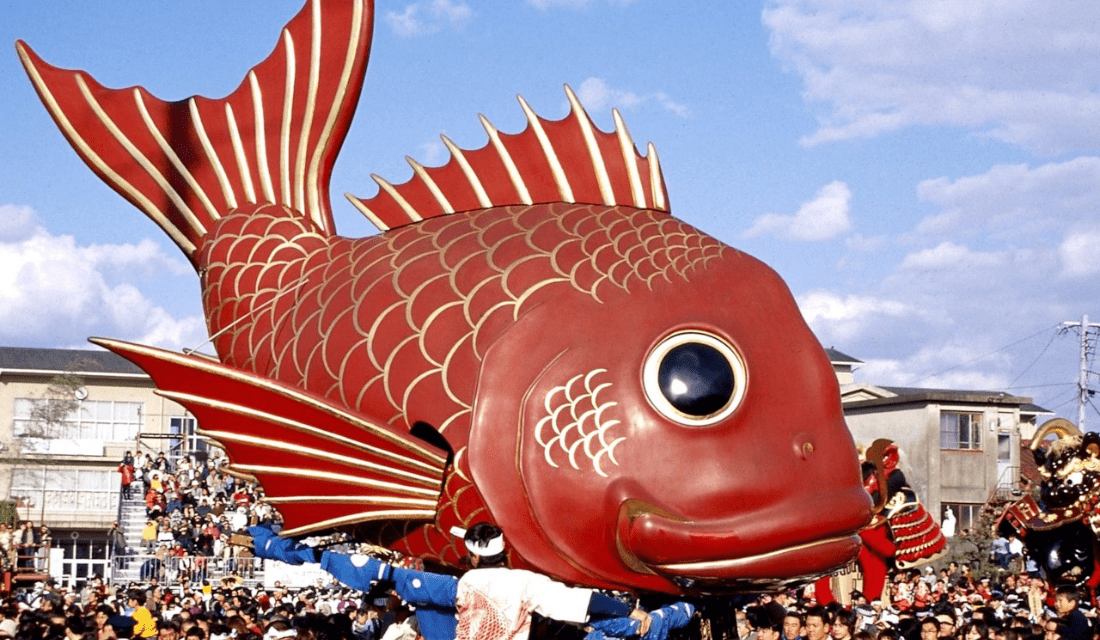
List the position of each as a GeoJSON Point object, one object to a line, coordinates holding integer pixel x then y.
{"type": "Point", "coordinates": [1083, 392]}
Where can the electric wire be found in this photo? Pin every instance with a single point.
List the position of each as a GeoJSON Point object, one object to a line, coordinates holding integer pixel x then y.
{"type": "Point", "coordinates": [1053, 335]}
{"type": "Point", "coordinates": [932, 375]}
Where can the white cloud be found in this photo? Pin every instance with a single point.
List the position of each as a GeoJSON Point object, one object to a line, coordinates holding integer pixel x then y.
{"type": "Point", "coordinates": [948, 255]}
{"type": "Point", "coordinates": [57, 293]}
{"type": "Point", "coordinates": [862, 243]}
{"type": "Point", "coordinates": [1014, 200]}
{"type": "Point", "coordinates": [433, 154]}
{"type": "Point", "coordinates": [423, 18]}
{"type": "Point", "coordinates": [1024, 72]}
{"type": "Point", "coordinates": [839, 319]}
{"type": "Point", "coordinates": [16, 222]}
{"type": "Point", "coordinates": [595, 95]}
{"type": "Point", "coordinates": [823, 218]}
{"type": "Point", "coordinates": [1080, 254]}
{"type": "Point", "coordinates": [900, 373]}
{"type": "Point", "coordinates": [573, 4]}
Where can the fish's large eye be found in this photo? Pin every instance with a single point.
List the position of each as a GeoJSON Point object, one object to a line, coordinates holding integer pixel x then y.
{"type": "Point", "coordinates": [694, 378]}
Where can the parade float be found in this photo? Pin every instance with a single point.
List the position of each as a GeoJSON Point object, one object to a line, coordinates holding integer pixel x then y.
{"type": "Point", "coordinates": [531, 340]}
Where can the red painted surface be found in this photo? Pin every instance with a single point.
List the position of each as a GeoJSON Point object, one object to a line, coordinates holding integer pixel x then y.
{"type": "Point", "coordinates": [514, 312]}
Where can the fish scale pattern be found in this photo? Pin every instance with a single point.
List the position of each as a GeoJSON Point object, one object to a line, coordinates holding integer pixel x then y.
{"type": "Point", "coordinates": [395, 326]}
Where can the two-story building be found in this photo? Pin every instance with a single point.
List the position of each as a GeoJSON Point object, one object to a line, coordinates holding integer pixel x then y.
{"type": "Point", "coordinates": [67, 417]}
{"type": "Point", "coordinates": [958, 447]}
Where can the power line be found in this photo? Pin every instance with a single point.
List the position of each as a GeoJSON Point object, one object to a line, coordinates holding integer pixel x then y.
{"type": "Point", "coordinates": [1036, 386]}
{"type": "Point", "coordinates": [1073, 399]}
{"type": "Point", "coordinates": [1060, 395]}
{"type": "Point", "coordinates": [932, 375]}
{"type": "Point", "coordinates": [1053, 335]}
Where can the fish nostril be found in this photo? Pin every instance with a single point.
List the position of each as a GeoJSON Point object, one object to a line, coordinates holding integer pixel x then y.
{"type": "Point", "coordinates": [804, 445]}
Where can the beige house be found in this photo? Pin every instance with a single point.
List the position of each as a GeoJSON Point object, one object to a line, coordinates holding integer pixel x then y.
{"type": "Point", "coordinates": [66, 419]}
{"type": "Point", "coordinates": [958, 447]}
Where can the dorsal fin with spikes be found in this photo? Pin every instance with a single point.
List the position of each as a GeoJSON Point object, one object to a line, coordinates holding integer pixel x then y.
{"type": "Point", "coordinates": [567, 160]}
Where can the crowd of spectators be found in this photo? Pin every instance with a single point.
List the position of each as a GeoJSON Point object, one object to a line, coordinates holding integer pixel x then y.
{"type": "Point", "coordinates": [194, 506]}
{"type": "Point", "coordinates": [960, 607]}
{"type": "Point", "coordinates": [208, 612]}
{"type": "Point", "coordinates": [24, 547]}
{"type": "Point", "coordinates": [950, 604]}
{"type": "Point", "coordinates": [191, 509]}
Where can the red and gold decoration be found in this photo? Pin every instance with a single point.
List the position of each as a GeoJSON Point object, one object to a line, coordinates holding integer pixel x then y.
{"type": "Point", "coordinates": [1060, 526]}
{"type": "Point", "coordinates": [533, 340]}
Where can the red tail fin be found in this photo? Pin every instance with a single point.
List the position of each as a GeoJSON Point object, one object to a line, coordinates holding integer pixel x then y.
{"type": "Point", "coordinates": [274, 139]}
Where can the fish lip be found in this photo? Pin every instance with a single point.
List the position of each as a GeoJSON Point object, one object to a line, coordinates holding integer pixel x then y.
{"type": "Point", "coordinates": [708, 566]}
{"type": "Point", "coordinates": [731, 556]}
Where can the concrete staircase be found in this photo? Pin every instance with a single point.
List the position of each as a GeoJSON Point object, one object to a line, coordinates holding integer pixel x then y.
{"type": "Point", "coordinates": [131, 521]}
{"type": "Point", "coordinates": [127, 568]}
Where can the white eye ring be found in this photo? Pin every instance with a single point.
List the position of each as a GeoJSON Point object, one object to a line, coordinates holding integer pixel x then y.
{"type": "Point", "coordinates": [652, 386]}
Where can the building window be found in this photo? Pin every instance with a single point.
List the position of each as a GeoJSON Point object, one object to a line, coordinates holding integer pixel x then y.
{"type": "Point", "coordinates": [966, 515]}
{"type": "Point", "coordinates": [100, 420]}
{"type": "Point", "coordinates": [85, 556]}
{"type": "Point", "coordinates": [960, 430]}
{"type": "Point", "coordinates": [189, 442]}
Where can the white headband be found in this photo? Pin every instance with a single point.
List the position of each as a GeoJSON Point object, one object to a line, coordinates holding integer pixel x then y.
{"type": "Point", "coordinates": [275, 634]}
{"type": "Point", "coordinates": [490, 547]}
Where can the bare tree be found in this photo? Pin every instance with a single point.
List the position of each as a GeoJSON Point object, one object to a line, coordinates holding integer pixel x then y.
{"type": "Point", "coordinates": [58, 402]}
{"type": "Point", "coordinates": [47, 421]}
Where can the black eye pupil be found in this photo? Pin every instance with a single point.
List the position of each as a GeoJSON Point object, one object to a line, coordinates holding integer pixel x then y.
{"type": "Point", "coordinates": [696, 378]}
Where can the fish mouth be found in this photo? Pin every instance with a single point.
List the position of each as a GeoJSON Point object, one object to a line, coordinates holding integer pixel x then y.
{"type": "Point", "coordinates": [770, 548]}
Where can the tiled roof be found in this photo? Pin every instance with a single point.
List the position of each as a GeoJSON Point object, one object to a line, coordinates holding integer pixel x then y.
{"type": "Point", "coordinates": [838, 356]}
{"type": "Point", "coordinates": [75, 360]}
{"type": "Point", "coordinates": [906, 395]}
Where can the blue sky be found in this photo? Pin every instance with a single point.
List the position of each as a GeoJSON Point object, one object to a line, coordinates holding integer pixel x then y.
{"type": "Point", "coordinates": [923, 173]}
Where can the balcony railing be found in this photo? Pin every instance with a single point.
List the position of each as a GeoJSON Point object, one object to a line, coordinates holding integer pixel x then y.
{"type": "Point", "coordinates": [185, 570]}
{"type": "Point", "coordinates": [33, 503]}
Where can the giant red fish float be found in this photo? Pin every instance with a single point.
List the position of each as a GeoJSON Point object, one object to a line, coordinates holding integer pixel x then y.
{"type": "Point", "coordinates": [532, 340]}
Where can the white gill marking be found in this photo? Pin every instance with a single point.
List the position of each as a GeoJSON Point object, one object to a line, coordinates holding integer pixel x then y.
{"type": "Point", "coordinates": [555, 166]}
{"type": "Point", "coordinates": [573, 453]}
{"type": "Point", "coordinates": [432, 186]}
{"type": "Point", "coordinates": [608, 451]}
{"type": "Point", "coordinates": [288, 117]}
{"type": "Point", "coordinates": [138, 156]}
{"type": "Point", "coordinates": [468, 171]}
{"type": "Point", "coordinates": [212, 155]}
{"type": "Point", "coordinates": [564, 429]}
{"type": "Point", "coordinates": [398, 198]}
{"type": "Point", "coordinates": [367, 213]}
{"type": "Point", "coordinates": [63, 121]}
{"type": "Point", "coordinates": [174, 158]}
{"type": "Point", "coordinates": [238, 151]}
{"type": "Point", "coordinates": [655, 183]}
{"type": "Point", "coordinates": [506, 158]}
{"type": "Point", "coordinates": [315, 203]}
{"type": "Point", "coordinates": [545, 444]}
{"type": "Point", "coordinates": [630, 159]}
{"type": "Point", "coordinates": [593, 147]}
{"type": "Point", "coordinates": [259, 128]}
